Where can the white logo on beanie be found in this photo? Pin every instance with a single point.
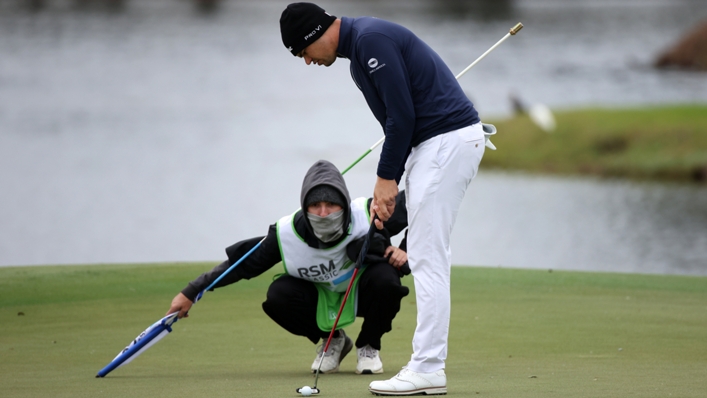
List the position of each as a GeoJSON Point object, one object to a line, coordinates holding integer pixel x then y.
{"type": "Point", "coordinates": [313, 32]}
{"type": "Point", "coordinates": [372, 62]}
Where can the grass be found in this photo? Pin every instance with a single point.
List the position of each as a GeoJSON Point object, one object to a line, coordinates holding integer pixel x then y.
{"type": "Point", "coordinates": [663, 143]}
{"type": "Point", "coordinates": [514, 333]}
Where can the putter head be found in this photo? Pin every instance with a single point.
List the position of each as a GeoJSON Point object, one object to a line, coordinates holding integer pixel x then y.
{"type": "Point", "coordinates": [315, 390]}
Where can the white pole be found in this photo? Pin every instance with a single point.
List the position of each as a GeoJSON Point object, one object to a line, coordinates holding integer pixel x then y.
{"type": "Point", "coordinates": [512, 32]}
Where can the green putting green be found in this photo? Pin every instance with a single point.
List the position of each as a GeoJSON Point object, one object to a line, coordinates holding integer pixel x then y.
{"type": "Point", "coordinates": [514, 333]}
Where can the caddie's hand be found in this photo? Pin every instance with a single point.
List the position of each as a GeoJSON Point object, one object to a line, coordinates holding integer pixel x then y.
{"type": "Point", "coordinates": [384, 195]}
{"type": "Point", "coordinates": [182, 304]}
{"type": "Point", "coordinates": [396, 256]}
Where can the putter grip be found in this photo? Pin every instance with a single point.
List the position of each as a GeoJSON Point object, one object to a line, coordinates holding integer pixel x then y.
{"type": "Point", "coordinates": [516, 28]}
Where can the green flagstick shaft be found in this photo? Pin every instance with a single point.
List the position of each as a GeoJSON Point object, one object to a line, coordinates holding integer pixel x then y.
{"type": "Point", "coordinates": [364, 155]}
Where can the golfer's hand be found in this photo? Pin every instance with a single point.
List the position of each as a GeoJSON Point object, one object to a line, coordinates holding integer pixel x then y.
{"type": "Point", "coordinates": [396, 256]}
{"type": "Point", "coordinates": [384, 199]}
{"type": "Point", "coordinates": [182, 304]}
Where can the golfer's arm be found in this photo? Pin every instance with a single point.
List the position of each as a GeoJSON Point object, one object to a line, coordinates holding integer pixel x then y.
{"type": "Point", "coordinates": [392, 85]}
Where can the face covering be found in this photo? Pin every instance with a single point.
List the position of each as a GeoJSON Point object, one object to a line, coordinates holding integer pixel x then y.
{"type": "Point", "coordinates": [329, 228]}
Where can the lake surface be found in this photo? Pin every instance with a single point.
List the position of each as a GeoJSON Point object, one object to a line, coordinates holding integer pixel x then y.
{"type": "Point", "coordinates": [158, 131]}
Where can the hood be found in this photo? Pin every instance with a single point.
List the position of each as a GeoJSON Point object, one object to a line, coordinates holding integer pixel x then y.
{"type": "Point", "coordinates": [325, 173]}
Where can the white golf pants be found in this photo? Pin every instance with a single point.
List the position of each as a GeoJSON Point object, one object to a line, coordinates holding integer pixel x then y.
{"type": "Point", "coordinates": [439, 171]}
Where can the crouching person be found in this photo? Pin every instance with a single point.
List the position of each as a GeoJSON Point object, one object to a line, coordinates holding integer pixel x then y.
{"type": "Point", "coordinates": [318, 246]}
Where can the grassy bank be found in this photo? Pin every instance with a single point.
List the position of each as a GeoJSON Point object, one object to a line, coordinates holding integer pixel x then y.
{"type": "Point", "coordinates": [514, 333]}
{"type": "Point", "coordinates": [665, 143]}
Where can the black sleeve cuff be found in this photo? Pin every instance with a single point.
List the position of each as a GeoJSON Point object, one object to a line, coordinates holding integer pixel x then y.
{"type": "Point", "coordinates": [191, 292]}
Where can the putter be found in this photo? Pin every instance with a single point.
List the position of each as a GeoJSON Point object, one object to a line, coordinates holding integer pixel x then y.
{"type": "Point", "coordinates": [359, 262]}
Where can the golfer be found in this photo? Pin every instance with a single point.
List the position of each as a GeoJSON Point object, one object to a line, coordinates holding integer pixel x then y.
{"type": "Point", "coordinates": [432, 132]}
{"type": "Point", "coordinates": [318, 247]}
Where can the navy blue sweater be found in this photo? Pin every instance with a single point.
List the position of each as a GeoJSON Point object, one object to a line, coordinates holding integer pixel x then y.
{"type": "Point", "coordinates": [408, 87]}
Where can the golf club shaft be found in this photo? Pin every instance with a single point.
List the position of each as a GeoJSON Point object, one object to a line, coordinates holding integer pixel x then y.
{"type": "Point", "coordinates": [336, 322]}
{"type": "Point", "coordinates": [512, 32]}
{"type": "Point", "coordinates": [359, 262]}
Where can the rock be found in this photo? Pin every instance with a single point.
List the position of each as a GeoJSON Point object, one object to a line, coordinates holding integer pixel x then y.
{"type": "Point", "coordinates": [690, 52]}
{"type": "Point", "coordinates": [699, 173]}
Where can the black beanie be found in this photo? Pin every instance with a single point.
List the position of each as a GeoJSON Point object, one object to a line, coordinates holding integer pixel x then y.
{"type": "Point", "coordinates": [301, 24]}
{"type": "Point", "coordinates": [324, 193]}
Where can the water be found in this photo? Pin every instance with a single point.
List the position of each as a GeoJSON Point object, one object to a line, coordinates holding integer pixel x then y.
{"type": "Point", "coordinates": [157, 131]}
{"type": "Point", "coordinates": [539, 222]}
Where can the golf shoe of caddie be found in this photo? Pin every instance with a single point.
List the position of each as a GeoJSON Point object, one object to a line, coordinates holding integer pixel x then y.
{"type": "Point", "coordinates": [369, 361]}
{"type": "Point", "coordinates": [408, 382]}
{"type": "Point", "coordinates": [338, 348]}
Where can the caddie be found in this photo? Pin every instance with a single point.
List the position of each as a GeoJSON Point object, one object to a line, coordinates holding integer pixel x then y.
{"type": "Point", "coordinates": [318, 246]}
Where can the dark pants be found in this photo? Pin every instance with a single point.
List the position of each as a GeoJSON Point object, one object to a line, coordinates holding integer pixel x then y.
{"type": "Point", "coordinates": [292, 303]}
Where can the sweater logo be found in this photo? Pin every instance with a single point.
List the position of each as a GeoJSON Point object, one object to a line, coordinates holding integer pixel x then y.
{"type": "Point", "coordinates": [374, 65]}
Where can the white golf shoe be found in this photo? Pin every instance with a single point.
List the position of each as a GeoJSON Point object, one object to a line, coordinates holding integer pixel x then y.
{"type": "Point", "coordinates": [338, 348]}
{"type": "Point", "coordinates": [369, 361]}
{"type": "Point", "coordinates": [408, 382]}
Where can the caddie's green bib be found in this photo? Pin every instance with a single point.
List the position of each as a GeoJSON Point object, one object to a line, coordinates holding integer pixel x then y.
{"type": "Point", "coordinates": [329, 269]}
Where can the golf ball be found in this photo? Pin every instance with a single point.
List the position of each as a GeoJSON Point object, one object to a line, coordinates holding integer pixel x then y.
{"type": "Point", "coordinates": [305, 391]}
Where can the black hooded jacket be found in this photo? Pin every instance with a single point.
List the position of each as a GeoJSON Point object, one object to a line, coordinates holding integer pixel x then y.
{"type": "Point", "coordinates": [268, 254]}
